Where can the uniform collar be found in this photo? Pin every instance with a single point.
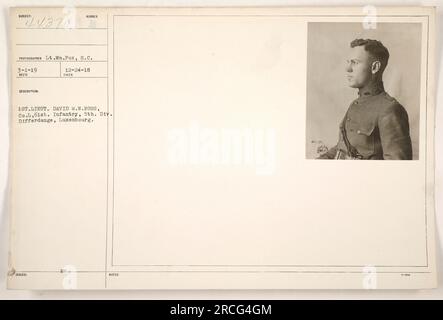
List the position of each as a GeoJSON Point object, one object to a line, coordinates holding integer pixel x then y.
{"type": "Point", "coordinates": [372, 89]}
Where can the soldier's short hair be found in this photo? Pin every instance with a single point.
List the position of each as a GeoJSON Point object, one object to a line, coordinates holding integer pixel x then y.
{"type": "Point", "coordinates": [375, 48]}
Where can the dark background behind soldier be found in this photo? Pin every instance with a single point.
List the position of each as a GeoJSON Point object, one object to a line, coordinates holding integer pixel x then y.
{"type": "Point", "coordinates": [328, 94]}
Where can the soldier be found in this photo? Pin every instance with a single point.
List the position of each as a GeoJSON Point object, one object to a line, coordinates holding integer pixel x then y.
{"type": "Point", "coordinates": [375, 126]}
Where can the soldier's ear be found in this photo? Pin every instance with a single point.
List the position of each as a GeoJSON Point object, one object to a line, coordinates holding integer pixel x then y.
{"type": "Point", "coordinates": [376, 66]}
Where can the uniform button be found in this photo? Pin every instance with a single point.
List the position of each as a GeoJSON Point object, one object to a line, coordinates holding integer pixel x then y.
{"type": "Point", "coordinates": [356, 102]}
{"type": "Point", "coordinates": [358, 131]}
{"type": "Point", "coordinates": [349, 119]}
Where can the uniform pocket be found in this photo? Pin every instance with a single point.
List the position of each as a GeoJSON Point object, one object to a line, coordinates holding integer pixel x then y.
{"type": "Point", "coordinates": [367, 131]}
{"type": "Point", "coordinates": [362, 138]}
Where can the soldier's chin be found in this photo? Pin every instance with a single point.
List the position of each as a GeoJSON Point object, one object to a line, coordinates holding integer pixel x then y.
{"type": "Point", "coordinates": [352, 84]}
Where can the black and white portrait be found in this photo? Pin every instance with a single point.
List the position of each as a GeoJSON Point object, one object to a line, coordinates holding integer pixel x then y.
{"type": "Point", "coordinates": [363, 91]}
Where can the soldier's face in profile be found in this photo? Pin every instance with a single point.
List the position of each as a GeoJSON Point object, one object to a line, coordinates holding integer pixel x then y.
{"type": "Point", "coordinates": [358, 67]}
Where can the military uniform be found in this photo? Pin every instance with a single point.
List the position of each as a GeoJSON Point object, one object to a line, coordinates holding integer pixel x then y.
{"type": "Point", "coordinates": [375, 127]}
